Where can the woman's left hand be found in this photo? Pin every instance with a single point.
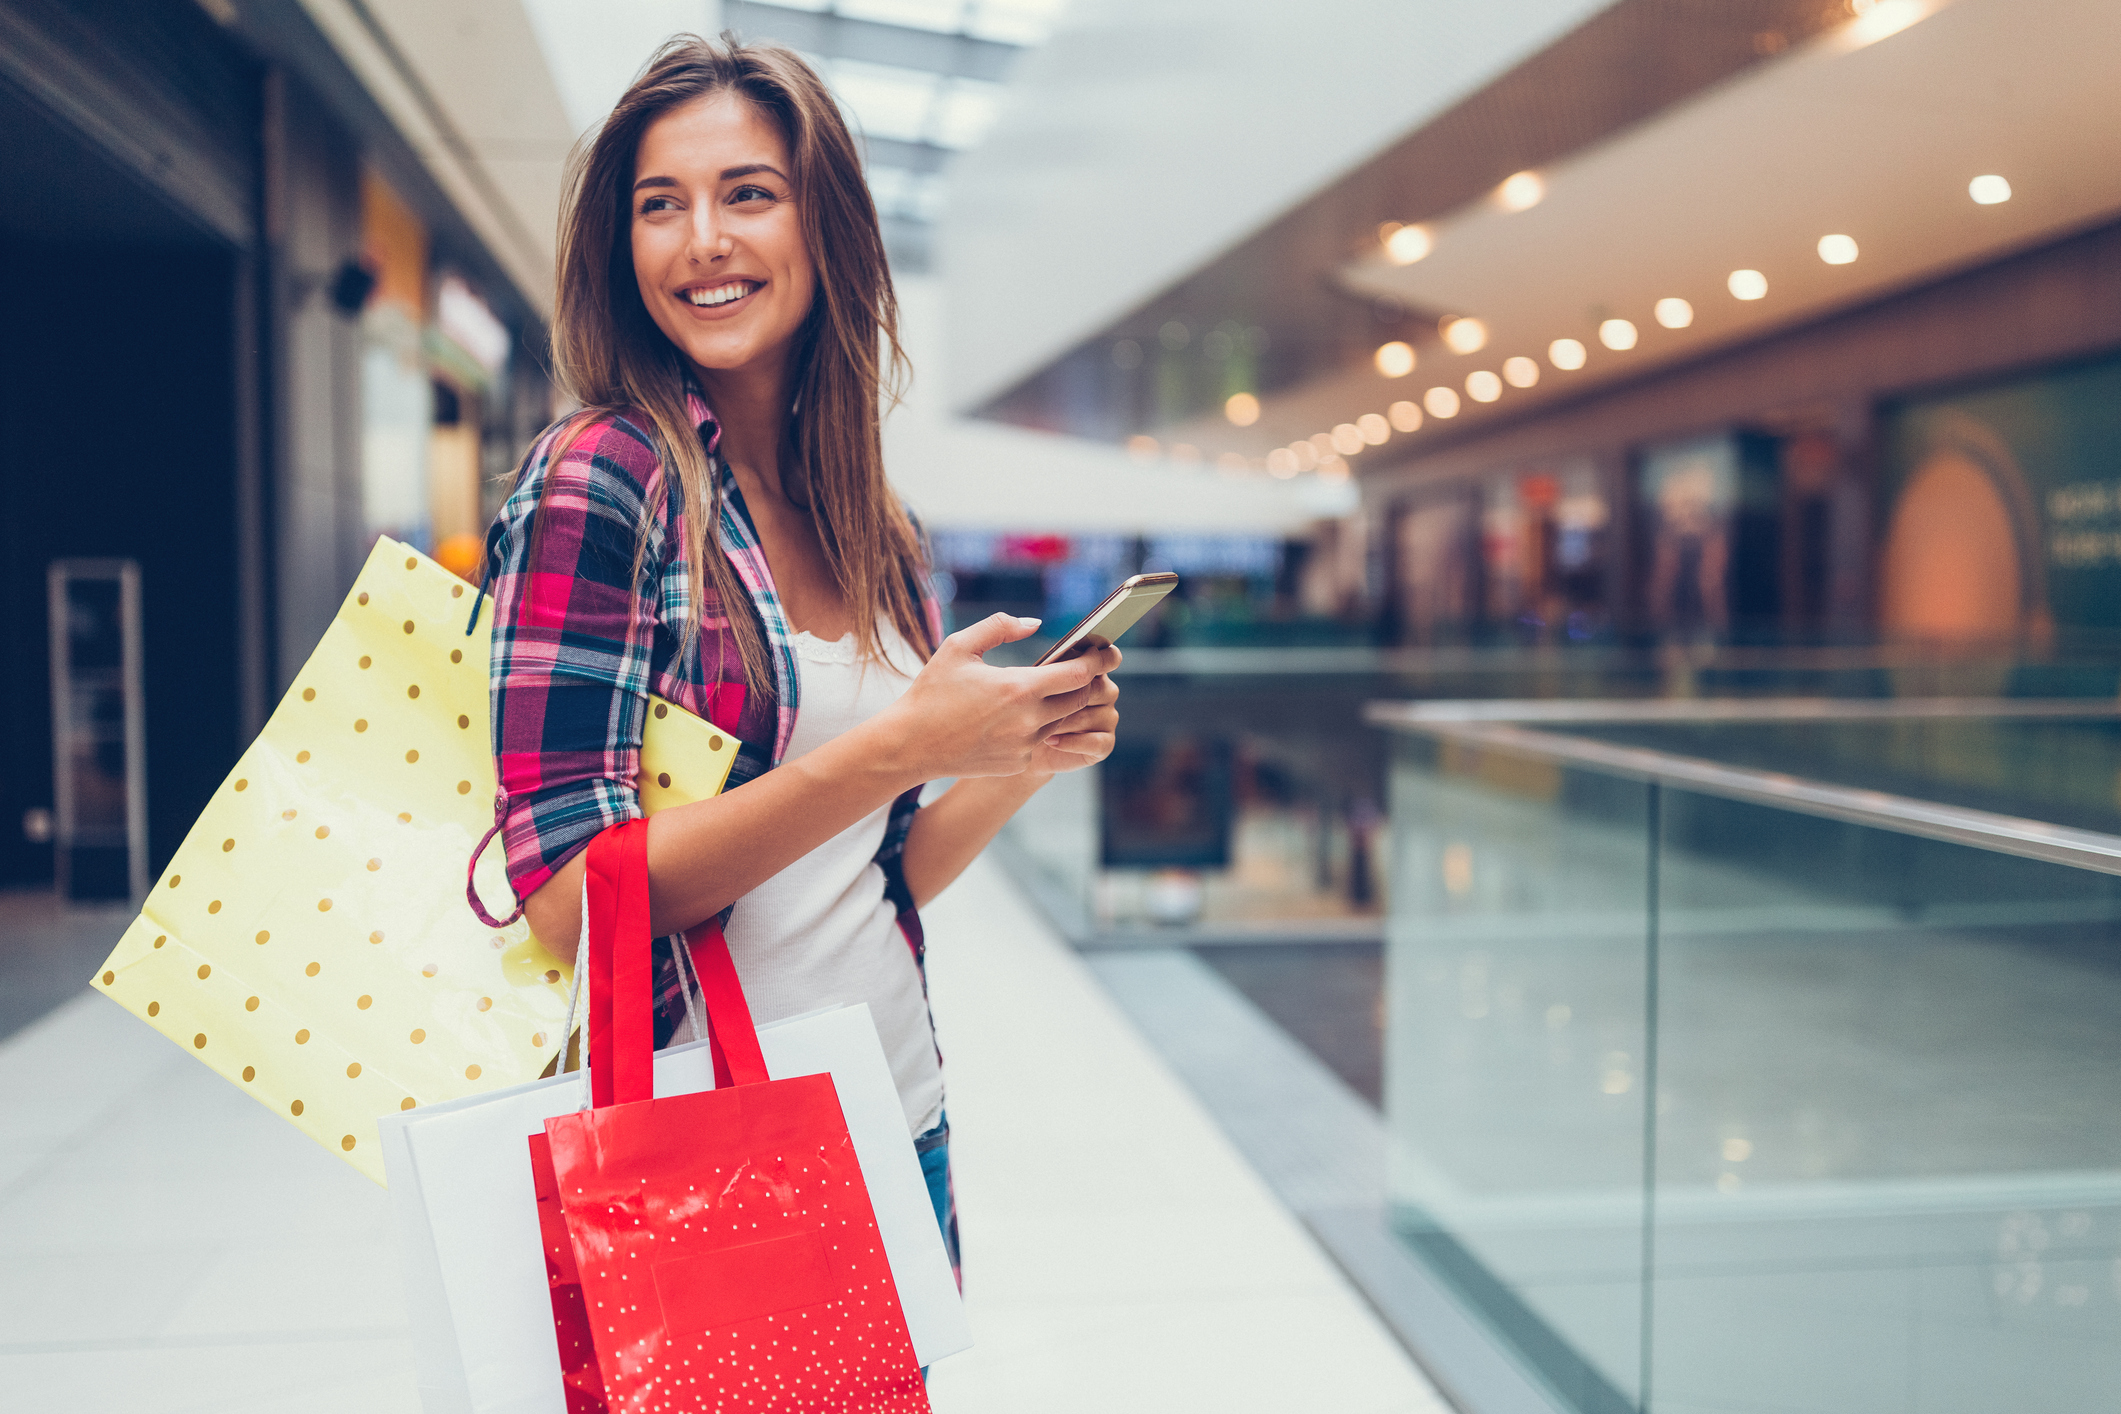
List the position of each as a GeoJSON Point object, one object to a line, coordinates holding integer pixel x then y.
{"type": "Point", "coordinates": [1084, 737]}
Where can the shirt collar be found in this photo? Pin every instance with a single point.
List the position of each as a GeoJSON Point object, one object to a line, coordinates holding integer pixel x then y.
{"type": "Point", "coordinates": [702, 415]}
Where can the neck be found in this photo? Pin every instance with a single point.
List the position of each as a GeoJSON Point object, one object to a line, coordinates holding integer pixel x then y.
{"type": "Point", "coordinates": [751, 404]}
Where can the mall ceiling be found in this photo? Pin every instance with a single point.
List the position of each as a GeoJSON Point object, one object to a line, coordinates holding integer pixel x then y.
{"type": "Point", "coordinates": [1674, 144]}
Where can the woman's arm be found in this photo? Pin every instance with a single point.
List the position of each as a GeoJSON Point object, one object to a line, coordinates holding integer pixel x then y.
{"type": "Point", "coordinates": [948, 835]}
{"type": "Point", "coordinates": [959, 718]}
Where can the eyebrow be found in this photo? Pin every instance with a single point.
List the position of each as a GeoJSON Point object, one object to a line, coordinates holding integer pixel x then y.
{"type": "Point", "coordinates": [729, 174]}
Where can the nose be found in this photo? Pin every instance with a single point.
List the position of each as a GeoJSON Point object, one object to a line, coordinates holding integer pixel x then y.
{"type": "Point", "coordinates": [710, 241]}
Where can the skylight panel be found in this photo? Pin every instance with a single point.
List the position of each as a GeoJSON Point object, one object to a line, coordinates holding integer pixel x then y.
{"type": "Point", "coordinates": [885, 101]}
{"type": "Point", "coordinates": [944, 16]}
{"type": "Point", "coordinates": [1021, 22]}
{"type": "Point", "coordinates": [966, 112]}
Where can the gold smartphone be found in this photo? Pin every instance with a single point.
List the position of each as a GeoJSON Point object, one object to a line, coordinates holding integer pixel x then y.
{"type": "Point", "coordinates": [1123, 609]}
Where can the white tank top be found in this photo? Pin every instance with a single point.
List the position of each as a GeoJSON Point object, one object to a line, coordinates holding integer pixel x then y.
{"type": "Point", "coordinates": [821, 933]}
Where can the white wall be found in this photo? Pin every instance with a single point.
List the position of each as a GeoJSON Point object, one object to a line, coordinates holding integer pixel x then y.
{"type": "Point", "coordinates": [959, 474]}
{"type": "Point", "coordinates": [1145, 138]}
{"type": "Point", "coordinates": [595, 47]}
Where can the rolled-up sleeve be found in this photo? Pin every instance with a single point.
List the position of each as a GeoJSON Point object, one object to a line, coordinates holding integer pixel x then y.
{"type": "Point", "coordinates": [572, 642]}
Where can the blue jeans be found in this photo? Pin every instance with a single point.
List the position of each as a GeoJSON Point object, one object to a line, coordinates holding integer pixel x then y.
{"type": "Point", "coordinates": [934, 1150]}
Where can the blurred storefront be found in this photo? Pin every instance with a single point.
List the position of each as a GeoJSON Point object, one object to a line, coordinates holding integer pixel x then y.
{"type": "Point", "coordinates": [1652, 381]}
{"type": "Point", "coordinates": [1764, 358]}
{"type": "Point", "coordinates": [1617, 361]}
{"type": "Point", "coordinates": [252, 332]}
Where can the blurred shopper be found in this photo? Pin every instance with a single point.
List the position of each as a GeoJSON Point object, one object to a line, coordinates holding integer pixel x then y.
{"type": "Point", "coordinates": [723, 303]}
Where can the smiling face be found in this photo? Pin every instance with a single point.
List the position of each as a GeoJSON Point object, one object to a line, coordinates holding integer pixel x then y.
{"type": "Point", "coordinates": [718, 250]}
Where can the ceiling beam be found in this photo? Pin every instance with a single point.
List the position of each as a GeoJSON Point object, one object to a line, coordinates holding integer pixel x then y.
{"type": "Point", "coordinates": [866, 41]}
{"type": "Point", "coordinates": [913, 156]}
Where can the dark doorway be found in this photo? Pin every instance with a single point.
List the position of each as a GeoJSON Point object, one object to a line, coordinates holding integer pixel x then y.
{"type": "Point", "coordinates": [118, 412]}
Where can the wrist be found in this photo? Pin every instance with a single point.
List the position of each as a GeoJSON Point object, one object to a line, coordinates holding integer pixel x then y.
{"type": "Point", "coordinates": [888, 744]}
{"type": "Point", "coordinates": [1025, 784]}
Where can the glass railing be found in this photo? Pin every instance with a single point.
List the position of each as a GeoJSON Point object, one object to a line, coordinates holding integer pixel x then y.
{"type": "Point", "coordinates": [1764, 1056]}
{"type": "Point", "coordinates": [1246, 797]}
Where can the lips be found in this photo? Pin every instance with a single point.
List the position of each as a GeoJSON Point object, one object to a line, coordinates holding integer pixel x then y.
{"type": "Point", "coordinates": [717, 296]}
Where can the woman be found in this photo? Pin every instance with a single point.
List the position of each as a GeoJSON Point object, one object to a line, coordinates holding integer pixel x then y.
{"type": "Point", "coordinates": [722, 308]}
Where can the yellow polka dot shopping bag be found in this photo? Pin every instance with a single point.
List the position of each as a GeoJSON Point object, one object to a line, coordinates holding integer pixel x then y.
{"type": "Point", "coordinates": [310, 940]}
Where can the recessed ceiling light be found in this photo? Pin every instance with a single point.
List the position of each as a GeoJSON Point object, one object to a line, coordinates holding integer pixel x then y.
{"type": "Point", "coordinates": [1306, 455]}
{"type": "Point", "coordinates": [1674, 313]}
{"type": "Point", "coordinates": [1880, 18]}
{"type": "Point", "coordinates": [1617, 334]}
{"type": "Point", "coordinates": [1281, 462]}
{"type": "Point", "coordinates": [1405, 416]}
{"type": "Point", "coordinates": [1143, 445]}
{"type": "Point", "coordinates": [1748, 284]}
{"type": "Point", "coordinates": [1990, 190]}
{"type": "Point", "coordinates": [1347, 439]}
{"type": "Point", "coordinates": [1242, 409]}
{"type": "Point", "coordinates": [1465, 335]}
{"type": "Point", "coordinates": [1838, 250]}
{"type": "Point", "coordinates": [1520, 372]}
{"type": "Point", "coordinates": [1483, 386]}
{"type": "Point", "coordinates": [1374, 429]}
{"type": "Point", "coordinates": [1568, 355]}
{"type": "Point", "coordinates": [1406, 244]}
{"type": "Point", "coordinates": [1521, 191]}
{"type": "Point", "coordinates": [1441, 402]}
{"type": "Point", "coordinates": [1396, 359]}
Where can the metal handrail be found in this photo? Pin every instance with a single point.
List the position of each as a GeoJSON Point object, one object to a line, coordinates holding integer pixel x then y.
{"type": "Point", "coordinates": [1664, 711]}
{"type": "Point", "coordinates": [1482, 724]}
{"type": "Point", "coordinates": [1301, 660]}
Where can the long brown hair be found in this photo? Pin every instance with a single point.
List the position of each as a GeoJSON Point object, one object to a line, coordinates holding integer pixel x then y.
{"type": "Point", "coordinates": [609, 354]}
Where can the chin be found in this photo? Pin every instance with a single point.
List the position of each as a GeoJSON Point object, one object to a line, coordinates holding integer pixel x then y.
{"type": "Point", "coordinates": [726, 355]}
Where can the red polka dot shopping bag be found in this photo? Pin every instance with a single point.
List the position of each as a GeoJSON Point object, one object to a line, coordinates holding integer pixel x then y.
{"type": "Point", "coordinates": [727, 1252]}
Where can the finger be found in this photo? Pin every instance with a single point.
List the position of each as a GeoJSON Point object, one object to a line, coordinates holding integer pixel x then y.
{"type": "Point", "coordinates": [1057, 678]}
{"type": "Point", "coordinates": [1094, 745]}
{"type": "Point", "coordinates": [992, 632]}
{"type": "Point", "coordinates": [1091, 718]}
{"type": "Point", "coordinates": [1063, 705]}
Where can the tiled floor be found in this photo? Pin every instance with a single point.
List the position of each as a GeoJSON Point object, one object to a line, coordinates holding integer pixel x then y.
{"type": "Point", "coordinates": [1118, 1252]}
{"type": "Point", "coordinates": [1329, 996]}
{"type": "Point", "coordinates": [48, 950]}
{"type": "Point", "coordinates": [167, 1245]}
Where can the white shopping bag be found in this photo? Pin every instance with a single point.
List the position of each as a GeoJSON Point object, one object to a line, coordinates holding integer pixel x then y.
{"type": "Point", "coordinates": [467, 1219]}
{"type": "Point", "coordinates": [842, 1042]}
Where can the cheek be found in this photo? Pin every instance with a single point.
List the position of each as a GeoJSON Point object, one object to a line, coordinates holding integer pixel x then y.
{"type": "Point", "coordinates": [793, 256]}
{"type": "Point", "coordinates": [641, 241]}
{"type": "Point", "coordinates": [801, 281]}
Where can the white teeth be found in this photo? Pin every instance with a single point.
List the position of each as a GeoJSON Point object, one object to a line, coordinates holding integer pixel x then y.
{"type": "Point", "coordinates": [707, 299]}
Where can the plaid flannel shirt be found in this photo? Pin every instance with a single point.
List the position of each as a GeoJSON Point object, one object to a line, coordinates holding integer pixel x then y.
{"type": "Point", "coordinates": [579, 641]}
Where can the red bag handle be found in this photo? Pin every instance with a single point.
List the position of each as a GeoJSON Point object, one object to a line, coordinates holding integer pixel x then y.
{"type": "Point", "coordinates": [621, 1018]}
{"type": "Point", "coordinates": [621, 1006]}
{"type": "Point", "coordinates": [729, 1026]}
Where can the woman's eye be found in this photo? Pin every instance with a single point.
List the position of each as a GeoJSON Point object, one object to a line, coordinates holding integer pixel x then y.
{"type": "Point", "coordinates": [750, 193]}
{"type": "Point", "coordinates": [657, 203]}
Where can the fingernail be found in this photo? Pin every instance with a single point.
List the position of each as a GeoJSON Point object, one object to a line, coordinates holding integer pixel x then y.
{"type": "Point", "coordinates": [1028, 622]}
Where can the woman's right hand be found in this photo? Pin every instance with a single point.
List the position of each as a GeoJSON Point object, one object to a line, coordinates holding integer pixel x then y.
{"type": "Point", "coordinates": [963, 718]}
{"type": "Point", "coordinates": [959, 717]}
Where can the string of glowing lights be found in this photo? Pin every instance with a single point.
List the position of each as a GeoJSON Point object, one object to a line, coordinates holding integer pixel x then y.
{"type": "Point", "coordinates": [1325, 453]}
